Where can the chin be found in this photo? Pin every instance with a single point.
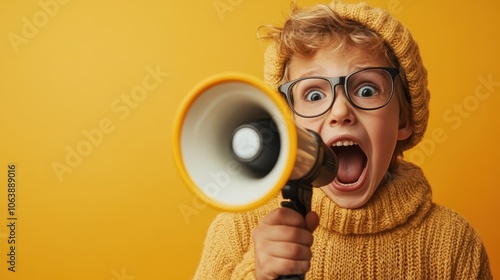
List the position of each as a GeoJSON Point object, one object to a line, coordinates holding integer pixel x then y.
{"type": "Point", "coordinates": [348, 200]}
{"type": "Point", "coordinates": [351, 203]}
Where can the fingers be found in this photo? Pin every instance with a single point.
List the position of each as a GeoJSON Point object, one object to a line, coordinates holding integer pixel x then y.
{"type": "Point", "coordinates": [288, 217]}
{"type": "Point", "coordinates": [273, 259]}
{"type": "Point", "coordinates": [286, 225]}
{"type": "Point", "coordinates": [272, 269]}
{"type": "Point", "coordinates": [312, 221]}
{"type": "Point", "coordinates": [284, 216]}
{"type": "Point", "coordinates": [279, 233]}
{"type": "Point", "coordinates": [290, 251]}
{"type": "Point", "coordinates": [282, 243]}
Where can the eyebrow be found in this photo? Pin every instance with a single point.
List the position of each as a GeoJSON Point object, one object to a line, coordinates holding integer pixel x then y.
{"type": "Point", "coordinates": [315, 72]}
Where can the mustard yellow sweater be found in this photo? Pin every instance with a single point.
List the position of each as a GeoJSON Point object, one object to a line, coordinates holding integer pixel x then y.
{"type": "Point", "coordinates": [399, 234]}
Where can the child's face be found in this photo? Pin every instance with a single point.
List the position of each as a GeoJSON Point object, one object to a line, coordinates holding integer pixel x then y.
{"type": "Point", "coordinates": [363, 166]}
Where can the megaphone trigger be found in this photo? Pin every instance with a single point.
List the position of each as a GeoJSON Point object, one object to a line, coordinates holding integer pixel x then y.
{"type": "Point", "coordinates": [297, 197]}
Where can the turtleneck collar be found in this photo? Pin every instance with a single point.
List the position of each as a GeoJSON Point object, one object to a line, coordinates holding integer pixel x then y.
{"type": "Point", "coordinates": [405, 198]}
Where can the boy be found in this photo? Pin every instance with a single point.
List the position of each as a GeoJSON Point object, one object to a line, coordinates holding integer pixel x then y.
{"type": "Point", "coordinates": [354, 75]}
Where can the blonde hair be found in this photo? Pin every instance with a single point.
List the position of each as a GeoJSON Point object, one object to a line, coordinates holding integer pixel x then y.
{"type": "Point", "coordinates": [308, 30]}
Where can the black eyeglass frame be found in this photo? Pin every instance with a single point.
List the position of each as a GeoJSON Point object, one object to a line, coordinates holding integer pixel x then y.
{"type": "Point", "coordinates": [334, 81]}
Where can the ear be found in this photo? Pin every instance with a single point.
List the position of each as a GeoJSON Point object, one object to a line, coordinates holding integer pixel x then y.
{"type": "Point", "coordinates": [405, 131]}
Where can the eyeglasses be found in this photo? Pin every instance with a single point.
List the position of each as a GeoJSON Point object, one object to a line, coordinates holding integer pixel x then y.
{"type": "Point", "coordinates": [367, 89]}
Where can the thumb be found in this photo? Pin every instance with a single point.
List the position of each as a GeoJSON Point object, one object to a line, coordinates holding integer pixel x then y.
{"type": "Point", "coordinates": [312, 221]}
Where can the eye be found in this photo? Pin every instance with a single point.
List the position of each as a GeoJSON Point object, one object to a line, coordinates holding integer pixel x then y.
{"type": "Point", "coordinates": [314, 95]}
{"type": "Point", "coordinates": [367, 91]}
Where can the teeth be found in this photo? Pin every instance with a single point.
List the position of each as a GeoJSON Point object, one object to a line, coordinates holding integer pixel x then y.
{"type": "Point", "coordinates": [343, 143]}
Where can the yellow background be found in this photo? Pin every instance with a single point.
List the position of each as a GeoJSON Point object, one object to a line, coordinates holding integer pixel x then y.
{"type": "Point", "coordinates": [117, 212]}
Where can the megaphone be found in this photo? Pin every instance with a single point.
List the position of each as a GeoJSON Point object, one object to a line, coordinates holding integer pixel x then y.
{"type": "Point", "coordinates": [236, 145]}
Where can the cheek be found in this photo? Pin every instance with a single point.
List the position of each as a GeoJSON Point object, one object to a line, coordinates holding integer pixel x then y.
{"type": "Point", "coordinates": [312, 124]}
{"type": "Point", "coordinates": [384, 135]}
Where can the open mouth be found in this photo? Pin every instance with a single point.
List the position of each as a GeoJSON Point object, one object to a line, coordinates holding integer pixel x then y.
{"type": "Point", "coordinates": [351, 161]}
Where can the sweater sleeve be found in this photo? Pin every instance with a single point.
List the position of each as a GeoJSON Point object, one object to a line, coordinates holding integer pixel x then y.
{"type": "Point", "coordinates": [227, 241]}
{"type": "Point", "coordinates": [228, 251]}
{"type": "Point", "coordinates": [472, 259]}
{"type": "Point", "coordinates": [468, 257]}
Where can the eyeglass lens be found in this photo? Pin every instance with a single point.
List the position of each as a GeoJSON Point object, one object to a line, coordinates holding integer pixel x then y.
{"type": "Point", "coordinates": [367, 89]}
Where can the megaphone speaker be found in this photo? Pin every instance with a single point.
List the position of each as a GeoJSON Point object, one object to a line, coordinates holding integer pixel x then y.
{"type": "Point", "coordinates": [236, 144]}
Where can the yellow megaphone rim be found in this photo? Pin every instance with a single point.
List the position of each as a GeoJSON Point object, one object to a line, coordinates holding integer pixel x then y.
{"type": "Point", "coordinates": [280, 103]}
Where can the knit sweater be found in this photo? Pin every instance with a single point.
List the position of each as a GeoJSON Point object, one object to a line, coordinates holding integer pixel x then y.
{"type": "Point", "coordinates": [399, 234]}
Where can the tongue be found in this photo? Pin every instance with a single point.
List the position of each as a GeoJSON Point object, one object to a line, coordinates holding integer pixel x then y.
{"type": "Point", "coordinates": [351, 162]}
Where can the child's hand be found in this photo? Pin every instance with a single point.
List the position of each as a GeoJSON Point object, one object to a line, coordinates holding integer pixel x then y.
{"type": "Point", "coordinates": [283, 242]}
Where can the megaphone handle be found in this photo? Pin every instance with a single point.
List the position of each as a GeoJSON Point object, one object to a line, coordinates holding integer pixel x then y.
{"type": "Point", "coordinates": [299, 199]}
{"type": "Point", "coordinates": [292, 277]}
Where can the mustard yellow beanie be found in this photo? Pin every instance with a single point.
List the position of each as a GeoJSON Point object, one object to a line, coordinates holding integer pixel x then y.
{"type": "Point", "coordinates": [403, 46]}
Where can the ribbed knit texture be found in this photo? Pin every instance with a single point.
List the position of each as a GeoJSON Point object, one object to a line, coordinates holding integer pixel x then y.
{"type": "Point", "coordinates": [398, 234]}
{"type": "Point", "coordinates": [402, 44]}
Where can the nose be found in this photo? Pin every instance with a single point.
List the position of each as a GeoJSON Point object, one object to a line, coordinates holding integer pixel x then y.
{"type": "Point", "coordinates": [341, 112]}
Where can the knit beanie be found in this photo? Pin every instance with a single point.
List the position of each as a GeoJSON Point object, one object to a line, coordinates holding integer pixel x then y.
{"type": "Point", "coordinates": [404, 47]}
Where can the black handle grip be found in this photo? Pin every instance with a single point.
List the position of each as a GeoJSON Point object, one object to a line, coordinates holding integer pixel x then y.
{"type": "Point", "coordinates": [298, 197]}
{"type": "Point", "coordinates": [292, 277]}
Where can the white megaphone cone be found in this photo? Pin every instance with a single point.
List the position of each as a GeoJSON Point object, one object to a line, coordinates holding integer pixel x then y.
{"type": "Point", "coordinates": [236, 144]}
